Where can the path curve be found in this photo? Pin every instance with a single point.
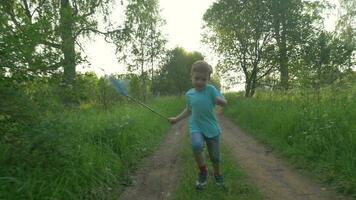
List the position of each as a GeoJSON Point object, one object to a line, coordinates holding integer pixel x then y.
{"type": "Point", "coordinates": [274, 178]}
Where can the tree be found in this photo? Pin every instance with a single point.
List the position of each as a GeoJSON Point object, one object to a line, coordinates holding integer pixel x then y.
{"type": "Point", "coordinates": [324, 57]}
{"type": "Point", "coordinates": [346, 29]}
{"type": "Point", "coordinates": [28, 47]}
{"type": "Point", "coordinates": [286, 18]}
{"type": "Point", "coordinates": [293, 22]}
{"type": "Point", "coordinates": [325, 60]}
{"type": "Point", "coordinates": [173, 78]}
{"type": "Point", "coordinates": [141, 43]}
{"type": "Point", "coordinates": [240, 31]}
{"type": "Point", "coordinates": [42, 36]}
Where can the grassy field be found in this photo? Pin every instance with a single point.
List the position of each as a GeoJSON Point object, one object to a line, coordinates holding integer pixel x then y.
{"type": "Point", "coordinates": [316, 131]}
{"type": "Point", "coordinates": [237, 186]}
{"type": "Point", "coordinates": [82, 154]}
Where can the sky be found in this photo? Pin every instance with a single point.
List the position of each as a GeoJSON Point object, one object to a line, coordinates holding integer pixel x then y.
{"type": "Point", "coordinates": [183, 28]}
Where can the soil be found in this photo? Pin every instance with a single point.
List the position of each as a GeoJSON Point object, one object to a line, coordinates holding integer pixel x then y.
{"type": "Point", "coordinates": [273, 176]}
{"type": "Point", "coordinates": [158, 176]}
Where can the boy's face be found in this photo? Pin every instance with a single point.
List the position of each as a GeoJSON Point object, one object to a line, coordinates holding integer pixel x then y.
{"type": "Point", "coordinates": [200, 80]}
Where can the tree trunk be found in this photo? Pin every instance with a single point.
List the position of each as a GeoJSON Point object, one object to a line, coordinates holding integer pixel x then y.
{"type": "Point", "coordinates": [68, 49]}
{"type": "Point", "coordinates": [283, 60]}
{"type": "Point", "coordinates": [247, 89]}
{"type": "Point", "coordinates": [152, 74]}
{"type": "Point", "coordinates": [279, 24]}
{"type": "Point", "coordinates": [247, 76]}
{"type": "Point", "coordinates": [68, 42]}
{"type": "Point", "coordinates": [248, 86]}
{"type": "Point", "coordinates": [253, 81]}
{"type": "Point", "coordinates": [143, 79]}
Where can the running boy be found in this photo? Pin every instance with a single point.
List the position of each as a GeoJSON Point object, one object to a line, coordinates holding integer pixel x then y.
{"type": "Point", "coordinates": [203, 126]}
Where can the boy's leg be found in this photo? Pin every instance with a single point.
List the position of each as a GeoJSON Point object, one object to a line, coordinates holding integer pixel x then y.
{"type": "Point", "coordinates": [199, 158]}
{"type": "Point", "coordinates": [198, 147]}
{"type": "Point", "coordinates": [214, 154]}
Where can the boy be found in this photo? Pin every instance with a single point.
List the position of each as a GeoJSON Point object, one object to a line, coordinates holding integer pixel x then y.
{"type": "Point", "coordinates": [203, 126]}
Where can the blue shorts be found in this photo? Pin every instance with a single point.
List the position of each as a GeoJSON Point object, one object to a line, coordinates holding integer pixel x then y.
{"type": "Point", "coordinates": [213, 144]}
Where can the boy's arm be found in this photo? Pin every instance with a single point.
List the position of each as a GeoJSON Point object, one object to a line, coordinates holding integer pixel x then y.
{"type": "Point", "coordinates": [185, 113]}
{"type": "Point", "coordinates": [220, 101]}
{"type": "Point", "coordinates": [217, 97]}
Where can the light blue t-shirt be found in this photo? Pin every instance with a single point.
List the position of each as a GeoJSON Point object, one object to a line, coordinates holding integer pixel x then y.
{"type": "Point", "coordinates": [202, 107]}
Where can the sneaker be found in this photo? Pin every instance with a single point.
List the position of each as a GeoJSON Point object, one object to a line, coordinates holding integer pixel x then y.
{"type": "Point", "coordinates": [219, 179]}
{"type": "Point", "coordinates": [202, 180]}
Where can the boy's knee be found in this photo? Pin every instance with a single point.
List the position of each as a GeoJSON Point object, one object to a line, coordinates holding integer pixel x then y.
{"type": "Point", "coordinates": [197, 147]}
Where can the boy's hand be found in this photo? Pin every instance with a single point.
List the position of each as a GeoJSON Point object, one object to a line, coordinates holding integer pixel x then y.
{"type": "Point", "coordinates": [220, 101]}
{"type": "Point", "coordinates": [172, 120]}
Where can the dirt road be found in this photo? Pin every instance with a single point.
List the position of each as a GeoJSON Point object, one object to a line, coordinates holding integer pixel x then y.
{"type": "Point", "coordinates": [158, 177]}
{"type": "Point", "coordinates": [275, 179]}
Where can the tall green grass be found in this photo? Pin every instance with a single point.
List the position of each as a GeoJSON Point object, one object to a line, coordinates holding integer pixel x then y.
{"type": "Point", "coordinates": [82, 154]}
{"type": "Point", "coordinates": [316, 130]}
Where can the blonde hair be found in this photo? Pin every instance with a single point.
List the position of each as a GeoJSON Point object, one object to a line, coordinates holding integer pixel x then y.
{"type": "Point", "coordinates": [202, 67]}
